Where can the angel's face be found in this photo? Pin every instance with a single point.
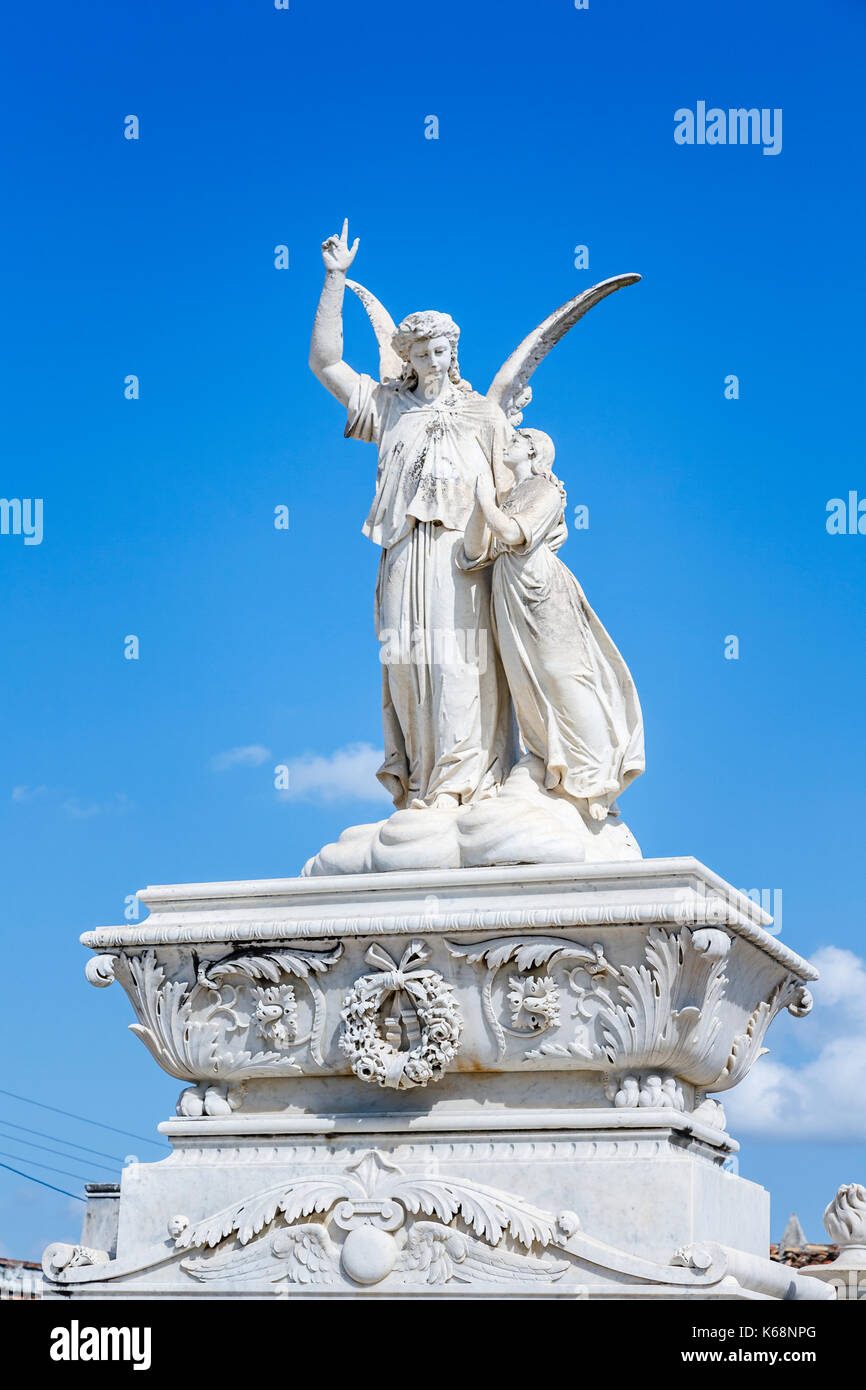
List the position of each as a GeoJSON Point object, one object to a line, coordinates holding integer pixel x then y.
{"type": "Point", "coordinates": [430, 358]}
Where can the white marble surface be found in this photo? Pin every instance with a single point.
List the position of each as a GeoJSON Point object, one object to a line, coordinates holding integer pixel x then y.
{"type": "Point", "coordinates": [491, 1080]}
{"type": "Point", "coordinates": [613, 1214]}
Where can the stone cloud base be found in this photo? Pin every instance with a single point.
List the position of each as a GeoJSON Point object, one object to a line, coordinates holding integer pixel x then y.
{"type": "Point", "coordinates": [447, 1083]}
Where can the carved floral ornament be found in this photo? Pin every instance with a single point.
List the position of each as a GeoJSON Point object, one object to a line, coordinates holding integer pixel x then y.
{"type": "Point", "coordinates": [662, 1014]}
{"type": "Point", "coordinates": [213, 1028]}
{"type": "Point", "coordinates": [546, 1000]}
{"type": "Point", "coordinates": [423, 1011]}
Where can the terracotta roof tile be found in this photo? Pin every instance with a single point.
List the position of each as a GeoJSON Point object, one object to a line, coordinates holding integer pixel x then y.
{"type": "Point", "coordinates": [804, 1255]}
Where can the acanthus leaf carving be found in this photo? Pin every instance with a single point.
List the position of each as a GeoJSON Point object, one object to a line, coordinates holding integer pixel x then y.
{"type": "Point", "coordinates": [659, 1014]}
{"type": "Point", "coordinates": [747, 1046]}
{"type": "Point", "coordinates": [194, 1027]}
{"type": "Point", "coordinates": [370, 1200]}
{"type": "Point", "coordinates": [489, 1213]}
{"type": "Point", "coordinates": [666, 1015]}
{"type": "Point", "coordinates": [249, 1217]}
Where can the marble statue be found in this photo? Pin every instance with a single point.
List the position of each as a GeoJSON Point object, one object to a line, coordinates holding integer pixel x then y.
{"type": "Point", "coordinates": [475, 1048]}
{"type": "Point", "coordinates": [510, 726]}
{"type": "Point", "coordinates": [471, 640]}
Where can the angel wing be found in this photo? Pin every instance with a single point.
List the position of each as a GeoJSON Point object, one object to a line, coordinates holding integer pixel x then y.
{"type": "Point", "coordinates": [307, 1252]}
{"type": "Point", "coordinates": [300, 1254]}
{"type": "Point", "coordinates": [390, 365]}
{"type": "Point", "coordinates": [432, 1251]}
{"type": "Point", "coordinates": [509, 388]}
{"type": "Point", "coordinates": [439, 1254]}
{"type": "Point", "coordinates": [485, 1264]}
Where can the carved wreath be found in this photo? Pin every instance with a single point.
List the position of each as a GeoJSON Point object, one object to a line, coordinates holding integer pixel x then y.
{"type": "Point", "coordinates": [432, 1017]}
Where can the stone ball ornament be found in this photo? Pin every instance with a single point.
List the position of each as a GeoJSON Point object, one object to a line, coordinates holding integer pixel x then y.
{"type": "Point", "coordinates": [369, 1254]}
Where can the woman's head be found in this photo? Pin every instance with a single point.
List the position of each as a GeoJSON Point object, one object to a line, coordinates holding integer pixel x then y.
{"type": "Point", "coordinates": [533, 446]}
{"type": "Point", "coordinates": [427, 342]}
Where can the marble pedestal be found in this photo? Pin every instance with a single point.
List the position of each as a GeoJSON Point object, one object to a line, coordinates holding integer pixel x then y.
{"type": "Point", "coordinates": [475, 1082]}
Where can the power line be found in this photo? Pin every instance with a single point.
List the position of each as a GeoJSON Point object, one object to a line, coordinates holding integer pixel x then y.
{"type": "Point", "coordinates": [70, 1143]}
{"type": "Point", "coordinates": [28, 1143]}
{"type": "Point", "coordinates": [70, 1115]}
{"type": "Point", "coordinates": [30, 1178]}
{"type": "Point", "coordinates": [47, 1166]}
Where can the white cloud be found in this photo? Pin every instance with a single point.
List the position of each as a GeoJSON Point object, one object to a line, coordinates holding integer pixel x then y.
{"type": "Point", "coordinates": [25, 793]}
{"type": "Point", "coordinates": [119, 805]}
{"type": "Point", "coordinates": [81, 810]}
{"type": "Point", "coordinates": [349, 774]}
{"type": "Point", "coordinates": [822, 1097]}
{"type": "Point", "coordinates": [248, 755]}
{"type": "Point", "coordinates": [75, 806]}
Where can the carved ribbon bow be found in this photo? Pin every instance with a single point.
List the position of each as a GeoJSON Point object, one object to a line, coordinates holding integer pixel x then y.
{"type": "Point", "coordinates": [396, 980]}
{"type": "Point", "coordinates": [395, 977]}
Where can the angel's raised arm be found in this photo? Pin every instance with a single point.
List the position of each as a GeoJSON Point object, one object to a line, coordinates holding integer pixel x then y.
{"type": "Point", "coordinates": [326, 345]}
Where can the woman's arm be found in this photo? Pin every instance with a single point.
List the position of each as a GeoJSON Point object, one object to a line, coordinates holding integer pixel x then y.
{"type": "Point", "coordinates": [504, 528]}
{"type": "Point", "coordinates": [326, 346]}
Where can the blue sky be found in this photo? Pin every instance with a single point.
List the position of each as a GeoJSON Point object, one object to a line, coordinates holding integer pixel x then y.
{"type": "Point", "coordinates": [707, 516]}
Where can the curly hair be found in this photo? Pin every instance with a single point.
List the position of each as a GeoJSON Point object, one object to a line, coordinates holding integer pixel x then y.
{"type": "Point", "coordinates": [420, 327]}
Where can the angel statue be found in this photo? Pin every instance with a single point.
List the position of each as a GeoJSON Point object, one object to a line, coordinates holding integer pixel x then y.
{"type": "Point", "coordinates": [469, 789]}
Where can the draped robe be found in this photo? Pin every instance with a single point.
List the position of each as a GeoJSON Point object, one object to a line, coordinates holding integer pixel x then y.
{"type": "Point", "coordinates": [446, 712]}
{"type": "Point", "coordinates": [577, 706]}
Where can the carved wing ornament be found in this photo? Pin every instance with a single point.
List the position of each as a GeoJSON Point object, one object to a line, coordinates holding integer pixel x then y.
{"type": "Point", "coordinates": [363, 1230]}
{"type": "Point", "coordinates": [369, 1203]}
{"type": "Point", "coordinates": [373, 1224]}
